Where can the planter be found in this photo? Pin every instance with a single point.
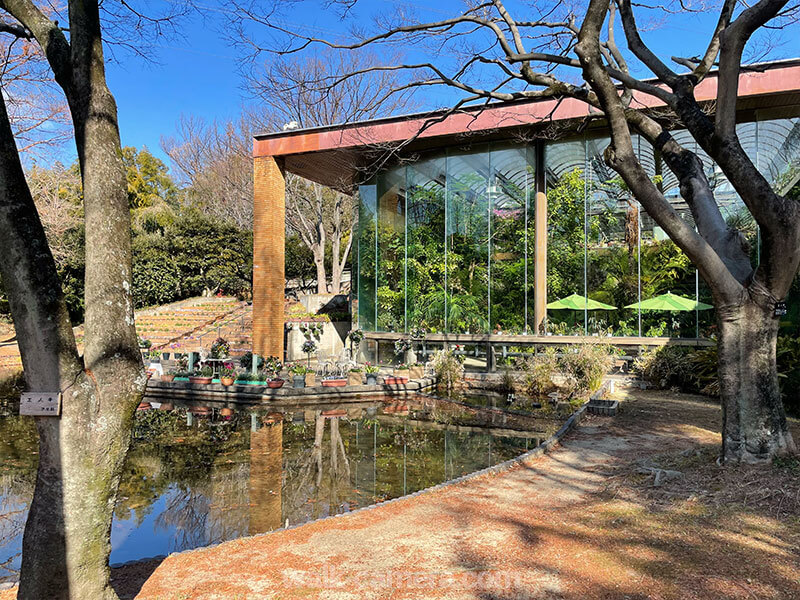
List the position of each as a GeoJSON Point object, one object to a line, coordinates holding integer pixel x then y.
{"type": "Point", "coordinates": [372, 379]}
{"type": "Point", "coordinates": [226, 381]}
{"type": "Point", "coordinates": [252, 382]}
{"type": "Point", "coordinates": [354, 379]}
{"type": "Point", "coordinates": [144, 406]}
{"type": "Point", "coordinates": [201, 380]}
{"type": "Point", "coordinates": [226, 412]}
{"type": "Point", "coordinates": [402, 373]}
{"type": "Point", "coordinates": [275, 383]}
{"type": "Point", "coordinates": [311, 379]}
{"type": "Point", "coordinates": [299, 381]}
{"type": "Point", "coordinates": [416, 372]}
{"type": "Point", "coordinates": [394, 380]}
{"type": "Point", "coordinates": [201, 411]}
{"type": "Point", "coordinates": [334, 382]}
{"type": "Point", "coordinates": [168, 378]}
{"type": "Point", "coordinates": [166, 406]}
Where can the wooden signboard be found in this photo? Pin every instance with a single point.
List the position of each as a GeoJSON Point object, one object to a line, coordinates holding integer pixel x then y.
{"type": "Point", "coordinates": [40, 404]}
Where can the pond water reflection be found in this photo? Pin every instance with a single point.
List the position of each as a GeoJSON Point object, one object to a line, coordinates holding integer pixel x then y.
{"type": "Point", "coordinates": [198, 475]}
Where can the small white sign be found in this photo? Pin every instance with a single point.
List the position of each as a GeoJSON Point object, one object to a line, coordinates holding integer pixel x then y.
{"type": "Point", "coordinates": [40, 404]}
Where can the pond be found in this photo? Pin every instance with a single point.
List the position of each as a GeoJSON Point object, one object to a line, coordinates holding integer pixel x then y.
{"type": "Point", "coordinates": [200, 475]}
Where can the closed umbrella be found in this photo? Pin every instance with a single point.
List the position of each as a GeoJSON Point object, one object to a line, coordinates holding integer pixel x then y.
{"type": "Point", "coordinates": [670, 302]}
{"type": "Point", "coordinates": [576, 302]}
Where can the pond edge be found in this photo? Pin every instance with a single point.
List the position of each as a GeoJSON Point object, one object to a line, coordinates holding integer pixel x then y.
{"type": "Point", "coordinates": [542, 449]}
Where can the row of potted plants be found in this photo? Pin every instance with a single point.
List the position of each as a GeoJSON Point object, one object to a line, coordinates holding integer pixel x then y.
{"type": "Point", "coordinates": [302, 375]}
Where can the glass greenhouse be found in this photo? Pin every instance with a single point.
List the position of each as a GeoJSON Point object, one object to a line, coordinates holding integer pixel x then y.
{"type": "Point", "coordinates": [447, 242]}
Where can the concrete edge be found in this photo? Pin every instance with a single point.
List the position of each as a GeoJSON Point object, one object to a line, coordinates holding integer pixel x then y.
{"type": "Point", "coordinates": [545, 447]}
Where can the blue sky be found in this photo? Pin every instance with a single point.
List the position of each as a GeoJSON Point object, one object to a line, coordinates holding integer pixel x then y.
{"type": "Point", "coordinates": [196, 72]}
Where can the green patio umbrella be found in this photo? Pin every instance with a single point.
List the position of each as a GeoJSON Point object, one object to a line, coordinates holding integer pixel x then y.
{"type": "Point", "coordinates": [576, 302]}
{"type": "Point", "coordinates": [671, 302]}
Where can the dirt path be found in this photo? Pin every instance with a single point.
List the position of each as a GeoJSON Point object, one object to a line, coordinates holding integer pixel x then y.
{"type": "Point", "coordinates": [581, 523]}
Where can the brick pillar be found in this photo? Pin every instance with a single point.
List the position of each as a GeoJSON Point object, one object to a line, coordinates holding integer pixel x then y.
{"type": "Point", "coordinates": [269, 244]}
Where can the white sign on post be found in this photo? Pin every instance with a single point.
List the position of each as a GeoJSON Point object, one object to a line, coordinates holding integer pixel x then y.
{"type": "Point", "coordinates": [40, 404]}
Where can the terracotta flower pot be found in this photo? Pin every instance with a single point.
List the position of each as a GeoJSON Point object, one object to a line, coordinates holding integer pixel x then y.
{"type": "Point", "coordinates": [201, 380]}
{"type": "Point", "coordinates": [168, 377]}
{"type": "Point", "coordinates": [166, 406]}
{"type": "Point", "coordinates": [226, 380]}
{"type": "Point", "coordinates": [275, 383]}
{"type": "Point", "coordinates": [144, 406]}
{"type": "Point", "coordinates": [334, 382]}
{"type": "Point", "coordinates": [395, 380]}
{"type": "Point", "coordinates": [226, 412]}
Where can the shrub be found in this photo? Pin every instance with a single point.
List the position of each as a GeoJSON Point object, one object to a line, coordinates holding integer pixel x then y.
{"type": "Point", "coordinates": [668, 367]}
{"type": "Point", "coordinates": [539, 371]}
{"type": "Point", "coordinates": [448, 367]}
{"type": "Point", "coordinates": [246, 361]}
{"type": "Point", "coordinates": [584, 367]}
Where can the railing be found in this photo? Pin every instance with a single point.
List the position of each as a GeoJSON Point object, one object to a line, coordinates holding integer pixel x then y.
{"type": "Point", "coordinates": [493, 346]}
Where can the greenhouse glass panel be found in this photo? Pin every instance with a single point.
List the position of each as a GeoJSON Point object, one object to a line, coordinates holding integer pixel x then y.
{"type": "Point", "coordinates": [367, 250]}
{"type": "Point", "coordinates": [391, 202]}
{"type": "Point", "coordinates": [468, 176]}
{"type": "Point", "coordinates": [565, 168]}
{"type": "Point", "coordinates": [426, 263]}
{"type": "Point", "coordinates": [511, 236]}
{"type": "Point", "coordinates": [612, 246]}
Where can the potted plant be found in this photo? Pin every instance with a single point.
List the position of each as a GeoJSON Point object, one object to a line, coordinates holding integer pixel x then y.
{"type": "Point", "coordinates": [334, 381]}
{"type": "Point", "coordinates": [244, 378]}
{"type": "Point", "coordinates": [203, 376]}
{"type": "Point", "coordinates": [416, 371]}
{"type": "Point", "coordinates": [356, 337]}
{"type": "Point", "coordinates": [220, 348]}
{"type": "Point", "coordinates": [399, 377]}
{"type": "Point", "coordinates": [169, 375]}
{"type": "Point", "coordinates": [354, 376]}
{"type": "Point", "coordinates": [273, 367]}
{"type": "Point", "coordinates": [246, 361]}
{"type": "Point", "coordinates": [227, 374]}
{"type": "Point", "coordinates": [298, 372]}
{"type": "Point", "coordinates": [309, 347]}
{"type": "Point", "coordinates": [181, 375]}
{"type": "Point", "coordinates": [372, 373]}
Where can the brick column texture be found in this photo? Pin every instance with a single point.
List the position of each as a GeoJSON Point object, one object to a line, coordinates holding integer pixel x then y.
{"type": "Point", "coordinates": [269, 245]}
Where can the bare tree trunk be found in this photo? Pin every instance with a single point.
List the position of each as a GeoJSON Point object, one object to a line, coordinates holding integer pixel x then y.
{"type": "Point", "coordinates": [754, 425]}
{"type": "Point", "coordinates": [319, 262]}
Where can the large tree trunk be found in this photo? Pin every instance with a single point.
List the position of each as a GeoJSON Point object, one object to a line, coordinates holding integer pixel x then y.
{"type": "Point", "coordinates": [754, 422]}
{"type": "Point", "coordinates": [66, 544]}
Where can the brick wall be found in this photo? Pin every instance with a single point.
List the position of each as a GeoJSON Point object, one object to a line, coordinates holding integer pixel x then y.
{"type": "Point", "coordinates": [269, 243]}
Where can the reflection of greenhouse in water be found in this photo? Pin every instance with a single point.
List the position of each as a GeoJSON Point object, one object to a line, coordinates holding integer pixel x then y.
{"type": "Point", "coordinates": [191, 481]}
{"type": "Point", "coordinates": [482, 218]}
